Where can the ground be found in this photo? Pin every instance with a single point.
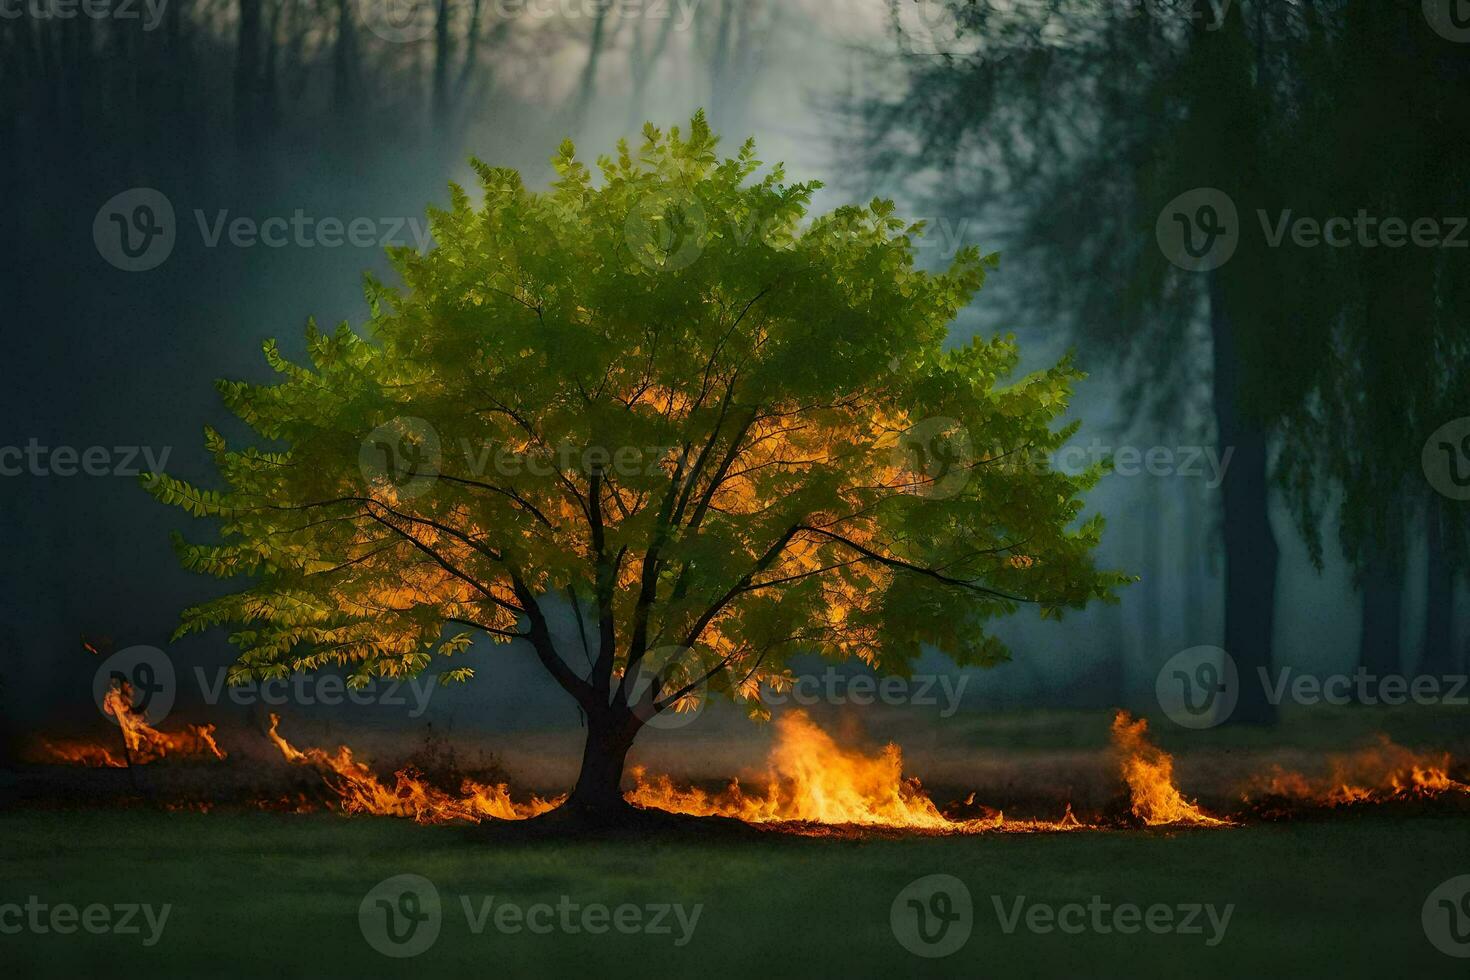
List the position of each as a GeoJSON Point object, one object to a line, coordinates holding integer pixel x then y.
{"type": "Point", "coordinates": [277, 895]}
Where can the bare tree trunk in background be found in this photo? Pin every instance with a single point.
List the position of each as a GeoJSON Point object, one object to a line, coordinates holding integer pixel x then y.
{"type": "Point", "coordinates": [472, 51]}
{"type": "Point", "coordinates": [588, 86]}
{"type": "Point", "coordinates": [1439, 656]}
{"type": "Point", "coordinates": [447, 99]}
{"type": "Point", "coordinates": [178, 67]}
{"type": "Point", "coordinates": [1152, 568]}
{"type": "Point", "coordinates": [642, 65]}
{"type": "Point", "coordinates": [719, 62]}
{"type": "Point", "coordinates": [270, 81]}
{"type": "Point", "coordinates": [1196, 531]}
{"type": "Point", "coordinates": [344, 59]}
{"type": "Point", "coordinates": [1383, 608]}
{"type": "Point", "coordinates": [1251, 554]}
{"type": "Point", "coordinates": [439, 91]}
{"type": "Point", "coordinates": [247, 75]}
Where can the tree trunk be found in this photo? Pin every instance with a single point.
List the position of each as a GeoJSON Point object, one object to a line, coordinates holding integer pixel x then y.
{"type": "Point", "coordinates": [1439, 657]}
{"type": "Point", "coordinates": [344, 59]}
{"type": "Point", "coordinates": [439, 94]}
{"type": "Point", "coordinates": [1196, 532]}
{"type": "Point", "coordinates": [1250, 545]}
{"type": "Point", "coordinates": [247, 75]}
{"type": "Point", "coordinates": [1383, 612]}
{"type": "Point", "coordinates": [598, 794]}
{"type": "Point", "coordinates": [587, 88]}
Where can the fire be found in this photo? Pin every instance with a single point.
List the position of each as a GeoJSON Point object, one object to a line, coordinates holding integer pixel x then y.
{"type": "Point", "coordinates": [361, 791]}
{"type": "Point", "coordinates": [1376, 774]}
{"type": "Point", "coordinates": [809, 782]}
{"type": "Point", "coordinates": [1149, 772]}
{"type": "Point", "coordinates": [142, 743]}
{"type": "Point", "coordinates": [809, 778]}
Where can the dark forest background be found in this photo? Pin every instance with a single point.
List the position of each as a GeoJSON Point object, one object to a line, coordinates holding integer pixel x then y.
{"type": "Point", "coordinates": [1055, 131]}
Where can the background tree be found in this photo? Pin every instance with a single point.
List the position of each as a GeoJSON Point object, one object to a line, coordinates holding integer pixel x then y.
{"type": "Point", "coordinates": [727, 436]}
{"type": "Point", "coordinates": [1381, 114]}
{"type": "Point", "coordinates": [1257, 100]}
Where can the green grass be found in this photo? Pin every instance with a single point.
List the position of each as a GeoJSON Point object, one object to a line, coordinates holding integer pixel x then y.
{"type": "Point", "coordinates": [273, 895]}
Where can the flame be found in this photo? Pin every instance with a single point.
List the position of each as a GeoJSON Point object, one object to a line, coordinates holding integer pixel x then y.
{"type": "Point", "coordinates": [1376, 774]}
{"type": "Point", "coordinates": [79, 753]}
{"type": "Point", "coordinates": [810, 778]}
{"type": "Point", "coordinates": [1149, 772]}
{"type": "Point", "coordinates": [809, 782]}
{"type": "Point", "coordinates": [142, 743]}
{"type": "Point", "coordinates": [361, 791]}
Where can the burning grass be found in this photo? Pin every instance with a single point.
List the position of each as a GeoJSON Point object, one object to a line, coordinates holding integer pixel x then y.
{"type": "Point", "coordinates": [809, 783]}
{"type": "Point", "coordinates": [411, 795]}
{"type": "Point", "coordinates": [1149, 772]}
{"type": "Point", "coordinates": [141, 742]}
{"type": "Point", "coordinates": [1380, 773]}
{"type": "Point", "coordinates": [810, 779]}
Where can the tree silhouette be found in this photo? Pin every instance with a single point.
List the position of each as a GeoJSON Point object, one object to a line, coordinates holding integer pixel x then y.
{"type": "Point", "coordinates": [1114, 121]}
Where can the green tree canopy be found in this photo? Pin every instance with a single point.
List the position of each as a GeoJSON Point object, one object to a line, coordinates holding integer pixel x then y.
{"type": "Point", "coordinates": [663, 396]}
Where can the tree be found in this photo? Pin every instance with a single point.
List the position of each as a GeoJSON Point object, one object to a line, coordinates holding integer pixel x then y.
{"type": "Point", "coordinates": [1104, 116]}
{"type": "Point", "coordinates": [721, 435]}
{"type": "Point", "coordinates": [1381, 110]}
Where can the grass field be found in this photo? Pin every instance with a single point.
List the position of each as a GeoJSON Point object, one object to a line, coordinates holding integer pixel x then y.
{"type": "Point", "coordinates": [276, 895]}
